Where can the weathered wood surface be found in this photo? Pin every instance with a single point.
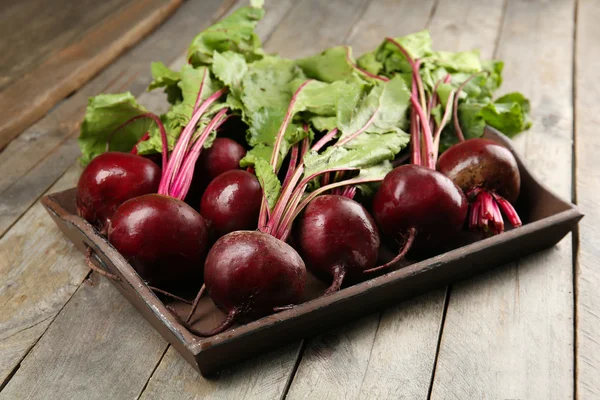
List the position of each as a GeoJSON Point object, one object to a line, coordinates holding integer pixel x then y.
{"type": "Point", "coordinates": [69, 63]}
{"type": "Point", "coordinates": [509, 334]}
{"type": "Point", "coordinates": [587, 141]}
{"type": "Point", "coordinates": [39, 270]}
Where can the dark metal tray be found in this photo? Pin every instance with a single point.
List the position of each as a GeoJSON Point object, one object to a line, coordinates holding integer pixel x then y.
{"type": "Point", "coordinates": [547, 219]}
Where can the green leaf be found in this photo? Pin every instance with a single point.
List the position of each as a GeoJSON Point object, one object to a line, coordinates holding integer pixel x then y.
{"type": "Point", "coordinates": [509, 114]}
{"type": "Point", "coordinates": [234, 33]}
{"type": "Point", "coordinates": [329, 66]}
{"type": "Point", "coordinates": [367, 150]}
{"type": "Point", "coordinates": [166, 78]}
{"type": "Point", "coordinates": [418, 45]}
{"type": "Point", "coordinates": [378, 171]}
{"type": "Point", "coordinates": [384, 102]}
{"type": "Point", "coordinates": [104, 114]}
{"type": "Point", "coordinates": [230, 68]}
{"type": "Point", "coordinates": [193, 81]}
{"type": "Point", "coordinates": [463, 61]}
{"type": "Point", "coordinates": [268, 180]}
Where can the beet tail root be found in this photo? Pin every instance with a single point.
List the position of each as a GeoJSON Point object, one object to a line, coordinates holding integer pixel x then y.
{"type": "Point", "coordinates": [486, 210]}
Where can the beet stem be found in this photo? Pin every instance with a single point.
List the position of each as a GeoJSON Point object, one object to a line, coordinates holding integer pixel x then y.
{"type": "Point", "coordinates": [168, 294]}
{"type": "Point", "coordinates": [291, 166]}
{"type": "Point", "coordinates": [508, 210]}
{"type": "Point", "coordinates": [362, 71]}
{"type": "Point", "coordinates": [361, 130]}
{"type": "Point", "coordinates": [339, 273]}
{"type": "Point", "coordinates": [457, 129]}
{"type": "Point", "coordinates": [181, 183]}
{"type": "Point", "coordinates": [412, 233]}
{"type": "Point", "coordinates": [324, 140]}
{"type": "Point", "coordinates": [196, 302]}
{"type": "Point", "coordinates": [180, 150]}
{"type": "Point", "coordinates": [199, 96]}
{"type": "Point", "coordinates": [93, 267]}
{"type": "Point", "coordinates": [145, 137]}
{"type": "Point", "coordinates": [438, 133]}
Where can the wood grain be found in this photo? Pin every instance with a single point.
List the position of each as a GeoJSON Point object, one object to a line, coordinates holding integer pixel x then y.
{"type": "Point", "coordinates": [509, 334]}
{"type": "Point", "coordinates": [392, 355]}
{"type": "Point", "coordinates": [99, 347]}
{"type": "Point", "coordinates": [587, 189]}
{"type": "Point", "coordinates": [39, 269]}
{"type": "Point", "coordinates": [38, 157]}
{"type": "Point", "coordinates": [264, 377]}
{"type": "Point", "coordinates": [68, 68]}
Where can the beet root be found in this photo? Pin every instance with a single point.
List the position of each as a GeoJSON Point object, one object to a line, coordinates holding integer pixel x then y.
{"type": "Point", "coordinates": [111, 179]}
{"type": "Point", "coordinates": [488, 174]}
{"type": "Point", "coordinates": [418, 201]}
{"type": "Point", "coordinates": [224, 155]}
{"type": "Point", "coordinates": [170, 258]}
{"type": "Point", "coordinates": [337, 238]}
{"type": "Point", "coordinates": [250, 274]}
{"type": "Point", "coordinates": [231, 202]}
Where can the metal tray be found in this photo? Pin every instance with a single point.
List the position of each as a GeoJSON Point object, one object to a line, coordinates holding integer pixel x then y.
{"type": "Point", "coordinates": [547, 219]}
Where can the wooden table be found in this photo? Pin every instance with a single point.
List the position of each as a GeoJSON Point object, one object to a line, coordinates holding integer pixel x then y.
{"type": "Point", "coordinates": [528, 330]}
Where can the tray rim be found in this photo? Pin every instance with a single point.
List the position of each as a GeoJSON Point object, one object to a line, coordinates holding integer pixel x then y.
{"type": "Point", "coordinates": [196, 345]}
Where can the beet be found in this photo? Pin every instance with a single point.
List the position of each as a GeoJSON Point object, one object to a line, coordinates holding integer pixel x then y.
{"type": "Point", "coordinates": [111, 179]}
{"type": "Point", "coordinates": [488, 174]}
{"type": "Point", "coordinates": [224, 155]}
{"type": "Point", "coordinates": [420, 204]}
{"type": "Point", "coordinates": [231, 202]}
{"type": "Point", "coordinates": [337, 237]}
{"type": "Point", "coordinates": [250, 274]}
{"type": "Point", "coordinates": [171, 257]}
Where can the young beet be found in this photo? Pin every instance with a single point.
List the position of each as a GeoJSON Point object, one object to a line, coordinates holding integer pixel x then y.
{"type": "Point", "coordinates": [489, 175]}
{"type": "Point", "coordinates": [420, 205]}
{"type": "Point", "coordinates": [164, 238]}
{"type": "Point", "coordinates": [171, 255]}
{"type": "Point", "coordinates": [231, 202]}
{"type": "Point", "coordinates": [224, 155]}
{"type": "Point", "coordinates": [111, 179]}
{"type": "Point", "coordinates": [250, 273]}
{"type": "Point", "coordinates": [337, 238]}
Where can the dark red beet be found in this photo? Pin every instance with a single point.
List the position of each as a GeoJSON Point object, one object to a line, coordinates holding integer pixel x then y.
{"type": "Point", "coordinates": [231, 202]}
{"type": "Point", "coordinates": [482, 163]}
{"type": "Point", "coordinates": [489, 175]}
{"type": "Point", "coordinates": [250, 273]}
{"type": "Point", "coordinates": [337, 237]}
{"type": "Point", "coordinates": [224, 155]}
{"type": "Point", "coordinates": [417, 199]}
{"type": "Point", "coordinates": [172, 256]}
{"type": "Point", "coordinates": [111, 179]}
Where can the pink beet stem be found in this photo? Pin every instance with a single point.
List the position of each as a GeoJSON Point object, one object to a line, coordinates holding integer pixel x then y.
{"type": "Point", "coordinates": [182, 182]}
{"type": "Point", "coordinates": [324, 140]}
{"type": "Point", "coordinates": [362, 71]}
{"type": "Point", "coordinates": [438, 132]}
{"type": "Point", "coordinates": [177, 157]}
{"type": "Point", "coordinates": [508, 210]}
{"type": "Point", "coordinates": [428, 141]}
{"type": "Point", "coordinates": [361, 130]}
{"type": "Point", "coordinates": [292, 165]}
{"type": "Point", "coordinates": [199, 96]}
{"type": "Point", "coordinates": [145, 137]}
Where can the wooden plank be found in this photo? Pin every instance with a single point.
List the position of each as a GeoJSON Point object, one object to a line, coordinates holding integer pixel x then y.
{"type": "Point", "coordinates": [39, 272]}
{"type": "Point", "coordinates": [588, 178]}
{"type": "Point", "coordinates": [38, 157]}
{"type": "Point", "coordinates": [24, 275]}
{"type": "Point", "coordinates": [39, 269]}
{"type": "Point", "coordinates": [263, 377]}
{"type": "Point", "coordinates": [509, 334]}
{"type": "Point", "coordinates": [99, 347]}
{"type": "Point", "coordinates": [391, 355]}
{"type": "Point", "coordinates": [25, 100]}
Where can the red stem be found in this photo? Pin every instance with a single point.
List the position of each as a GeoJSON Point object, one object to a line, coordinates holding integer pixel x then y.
{"type": "Point", "coordinates": [324, 140]}
{"type": "Point", "coordinates": [142, 139]}
{"type": "Point", "coordinates": [362, 71]}
{"type": "Point", "coordinates": [291, 166]}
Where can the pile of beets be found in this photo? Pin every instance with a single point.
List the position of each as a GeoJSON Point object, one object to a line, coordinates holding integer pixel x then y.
{"type": "Point", "coordinates": [194, 222]}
